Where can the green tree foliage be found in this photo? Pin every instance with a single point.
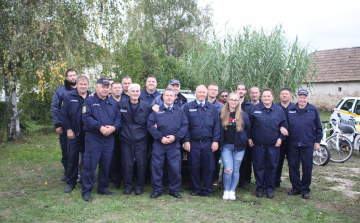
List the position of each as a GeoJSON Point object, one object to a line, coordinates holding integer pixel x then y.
{"type": "Point", "coordinates": [40, 39]}
{"type": "Point", "coordinates": [256, 58]}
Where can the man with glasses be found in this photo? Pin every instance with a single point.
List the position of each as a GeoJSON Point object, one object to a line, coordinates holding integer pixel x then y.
{"type": "Point", "coordinates": [213, 90]}
{"type": "Point", "coordinates": [224, 94]}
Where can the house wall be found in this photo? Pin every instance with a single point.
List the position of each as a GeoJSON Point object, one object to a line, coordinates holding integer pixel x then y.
{"type": "Point", "coordinates": [325, 96]}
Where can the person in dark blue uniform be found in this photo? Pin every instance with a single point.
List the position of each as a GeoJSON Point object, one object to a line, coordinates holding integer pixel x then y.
{"type": "Point", "coordinates": [266, 121]}
{"type": "Point", "coordinates": [201, 141]}
{"type": "Point", "coordinates": [125, 82]}
{"type": "Point", "coordinates": [72, 123]}
{"type": "Point", "coordinates": [133, 139]}
{"type": "Point", "coordinates": [245, 168]}
{"type": "Point", "coordinates": [149, 93]}
{"type": "Point", "coordinates": [305, 133]}
{"type": "Point", "coordinates": [101, 118]}
{"type": "Point", "coordinates": [285, 103]}
{"type": "Point", "coordinates": [180, 99]}
{"type": "Point", "coordinates": [213, 90]}
{"type": "Point", "coordinates": [58, 98]}
{"type": "Point", "coordinates": [115, 167]}
{"type": "Point", "coordinates": [171, 126]}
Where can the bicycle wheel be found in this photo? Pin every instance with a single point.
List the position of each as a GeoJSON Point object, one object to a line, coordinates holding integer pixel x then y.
{"type": "Point", "coordinates": [340, 148]}
{"type": "Point", "coordinates": [321, 157]}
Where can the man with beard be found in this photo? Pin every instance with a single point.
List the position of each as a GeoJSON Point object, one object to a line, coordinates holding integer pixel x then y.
{"type": "Point", "coordinates": [58, 98]}
{"type": "Point", "coordinates": [101, 118]}
{"type": "Point", "coordinates": [72, 123]}
{"type": "Point", "coordinates": [150, 92]}
{"type": "Point", "coordinates": [125, 82]}
{"type": "Point", "coordinates": [245, 168]}
{"type": "Point", "coordinates": [224, 94]}
{"type": "Point", "coordinates": [134, 138]}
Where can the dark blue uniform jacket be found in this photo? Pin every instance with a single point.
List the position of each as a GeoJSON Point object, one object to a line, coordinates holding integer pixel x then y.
{"type": "Point", "coordinates": [246, 106]}
{"type": "Point", "coordinates": [304, 126]}
{"type": "Point", "coordinates": [57, 101]}
{"type": "Point", "coordinates": [147, 97]}
{"type": "Point", "coordinates": [172, 122]}
{"type": "Point", "coordinates": [133, 133]}
{"type": "Point", "coordinates": [97, 112]}
{"type": "Point", "coordinates": [285, 109]}
{"type": "Point", "coordinates": [241, 137]}
{"type": "Point", "coordinates": [71, 111]}
{"type": "Point", "coordinates": [218, 105]}
{"type": "Point", "coordinates": [180, 101]}
{"type": "Point", "coordinates": [266, 124]}
{"type": "Point", "coordinates": [124, 96]}
{"type": "Point", "coordinates": [204, 122]}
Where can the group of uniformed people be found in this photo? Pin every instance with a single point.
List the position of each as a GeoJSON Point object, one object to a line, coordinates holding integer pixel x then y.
{"type": "Point", "coordinates": [114, 126]}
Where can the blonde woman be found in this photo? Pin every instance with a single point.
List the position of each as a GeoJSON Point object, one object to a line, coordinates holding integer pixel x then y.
{"type": "Point", "coordinates": [235, 132]}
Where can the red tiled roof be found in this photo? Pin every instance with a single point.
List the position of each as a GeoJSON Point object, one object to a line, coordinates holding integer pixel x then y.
{"type": "Point", "coordinates": [337, 65]}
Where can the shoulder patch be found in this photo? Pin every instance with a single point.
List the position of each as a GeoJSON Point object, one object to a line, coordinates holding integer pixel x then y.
{"type": "Point", "coordinates": [84, 109]}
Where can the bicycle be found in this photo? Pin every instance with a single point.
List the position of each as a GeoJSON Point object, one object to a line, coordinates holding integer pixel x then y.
{"type": "Point", "coordinates": [340, 147]}
{"type": "Point", "coordinates": [322, 157]}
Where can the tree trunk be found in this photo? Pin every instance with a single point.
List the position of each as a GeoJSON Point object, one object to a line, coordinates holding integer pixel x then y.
{"type": "Point", "coordinates": [13, 123]}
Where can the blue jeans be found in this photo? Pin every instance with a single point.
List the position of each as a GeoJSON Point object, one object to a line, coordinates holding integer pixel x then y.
{"type": "Point", "coordinates": [232, 161]}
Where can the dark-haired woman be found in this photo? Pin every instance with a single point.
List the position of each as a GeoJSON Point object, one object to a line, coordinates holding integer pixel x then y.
{"type": "Point", "coordinates": [266, 121]}
{"type": "Point", "coordinates": [234, 138]}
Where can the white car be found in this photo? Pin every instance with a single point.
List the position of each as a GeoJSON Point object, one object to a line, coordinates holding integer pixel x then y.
{"type": "Point", "coordinates": [348, 107]}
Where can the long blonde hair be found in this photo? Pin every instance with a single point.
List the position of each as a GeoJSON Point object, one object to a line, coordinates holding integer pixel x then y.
{"type": "Point", "coordinates": [225, 114]}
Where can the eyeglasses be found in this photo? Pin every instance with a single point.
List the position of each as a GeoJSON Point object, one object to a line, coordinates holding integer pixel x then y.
{"type": "Point", "coordinates": [233, 100]}
{"type": "Point", "coordinates": [224, 96]}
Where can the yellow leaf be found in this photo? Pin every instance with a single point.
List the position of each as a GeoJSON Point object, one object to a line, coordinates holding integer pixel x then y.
{"type": "Point", "coordinates": [45, 183]}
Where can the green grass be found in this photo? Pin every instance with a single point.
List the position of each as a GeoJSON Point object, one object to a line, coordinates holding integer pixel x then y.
{"type": "Point", "coordinates": [31, 190]}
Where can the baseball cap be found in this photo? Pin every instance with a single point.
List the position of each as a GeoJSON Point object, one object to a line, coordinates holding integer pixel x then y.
{"type": "Point", "coordinates": [103, 80]}
{"type": "Point", "coordinates": [174, 81]}
{"type": "Point", "coordinates": [303, 91]}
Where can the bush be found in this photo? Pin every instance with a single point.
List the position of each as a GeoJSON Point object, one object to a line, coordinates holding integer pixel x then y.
{"type": "Point", "coordinates": [36, 107]}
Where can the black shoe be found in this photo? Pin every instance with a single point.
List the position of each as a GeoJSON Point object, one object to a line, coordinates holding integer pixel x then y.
{"type": "Point", "coordinates": [116, 187]}
{"type": "Point", "coordinates": [277, 184]}
{"type": "Point", "coordinates": [175, 194]}
{"type": "Point", "coordinates": [195, 193]}
{"type": "Point", "coordinates": [305, 195]}
{"type": "Point", "coordinates": [165, 188]}
{"type": "Point", "coordinates": [244, 186]}
{"type": "Point", "coordinates": [105, 193]}
{"type": "Point", "coordinates": [87, 198]}
{"type": "Point", "coordinates": [270, 194]}
{"type": "Point", "coordinates": [155, 195]}
{"type": "Point", "coordinates": [207, 195]}
{"type": "Point", "coordinates": [127, 192]}
{"type": "Point", "coordinates": [294, 192]}
{"type": "Point", "coordinates": [138, 191]}
{"type": "Point", "coordinates": [69, 188]}
{"type": "Point", "coordinates": [259, 194]}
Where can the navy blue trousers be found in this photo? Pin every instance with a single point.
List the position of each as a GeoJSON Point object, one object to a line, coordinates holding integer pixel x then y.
{"type": "Point", "coordinates": [115, 168]}
{"type": "Point", "coordinates": [170, 156]}
{"type": "Point", "coordinates": [245, 167]}
{"type": "Point", "coordinates": [305, 155]}
{"type": "Point", "coordinates": [75, 146]}
{"type": "Point", "coordinates": [98, 150]}
{"type": "Point", "coordinates": [217, 165]}
{"type": "Point", "coordinates": [283, 151]}
{"type": "Point", "coordinates": [201, 158]}
{"type": "Point", "coordinates": [63, 145]}
{"type": "Point", "coordinates": [130, 153]}
{"type": "Point", "coordinates": [265, 160]}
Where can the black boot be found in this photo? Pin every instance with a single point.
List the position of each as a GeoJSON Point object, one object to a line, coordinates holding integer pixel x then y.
{"type": "Point", "coordinates": [64, 177]}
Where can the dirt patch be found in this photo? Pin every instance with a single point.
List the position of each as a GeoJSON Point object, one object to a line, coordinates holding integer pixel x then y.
{"type": "Point", "coordinates": [345, 185]}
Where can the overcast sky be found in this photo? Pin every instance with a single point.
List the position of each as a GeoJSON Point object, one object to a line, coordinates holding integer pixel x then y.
{"type": "Point", "coordinates": [324, 24]}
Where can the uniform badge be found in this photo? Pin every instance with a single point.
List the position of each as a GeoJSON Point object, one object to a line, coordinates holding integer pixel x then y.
{"type": "Point", "coordinates": [260, 112]}
{"type": "Point", "coordinates": [292, 111]}
{"type": "Point", "coordinates": [84, 109]}
{"type": "Point", "coordinates": [123, 110]}
{"type": "Point", "coordinates": [192, 110]}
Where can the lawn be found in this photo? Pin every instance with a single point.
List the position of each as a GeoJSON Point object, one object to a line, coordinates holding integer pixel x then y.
{"type": "Point", "coordinates": [31, 190]}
